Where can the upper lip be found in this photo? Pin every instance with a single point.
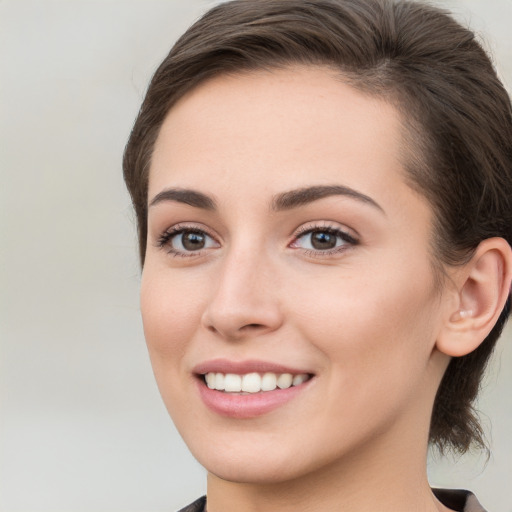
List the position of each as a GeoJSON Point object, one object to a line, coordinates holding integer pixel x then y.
{"type": "Point", "coordinates": [244, 367]}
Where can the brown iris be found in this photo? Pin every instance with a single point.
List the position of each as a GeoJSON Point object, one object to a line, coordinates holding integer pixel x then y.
{"type": "Point", "coordinates": [193, 241]}
{"type": "Point", "coordinates": [322, 240]}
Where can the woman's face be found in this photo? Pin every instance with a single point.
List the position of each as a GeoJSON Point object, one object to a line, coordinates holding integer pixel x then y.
{"type": "Point", "coordinates": [283, 239]}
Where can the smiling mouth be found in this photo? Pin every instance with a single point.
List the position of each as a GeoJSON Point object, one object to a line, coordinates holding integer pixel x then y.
{"type": "Point", "coordinates": [253, 382]}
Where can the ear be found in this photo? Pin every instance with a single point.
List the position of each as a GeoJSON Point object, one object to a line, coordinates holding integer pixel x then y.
{"type": "Point", "coordinates": [482, 287]}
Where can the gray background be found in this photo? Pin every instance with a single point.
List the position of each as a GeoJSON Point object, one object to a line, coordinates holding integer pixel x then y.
{"type": "Point", "coordinates": [82, 427]}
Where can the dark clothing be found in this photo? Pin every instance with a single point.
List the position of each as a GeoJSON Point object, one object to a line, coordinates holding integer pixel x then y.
{"type": "Point", "coordinates": [197, 506]}
{"type": "Point", "coordinates": [461, 501]}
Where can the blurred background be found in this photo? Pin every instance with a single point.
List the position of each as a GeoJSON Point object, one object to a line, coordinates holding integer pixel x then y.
{"type": "Point", "coordinates": [82, 427]}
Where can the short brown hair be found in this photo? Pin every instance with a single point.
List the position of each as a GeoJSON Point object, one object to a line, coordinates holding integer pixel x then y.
{"type": "Point", "coordinates": [456, 111]}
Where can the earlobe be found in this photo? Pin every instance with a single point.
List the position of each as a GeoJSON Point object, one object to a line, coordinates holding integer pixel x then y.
{"type": "Point", "coordinates": [482, 288]}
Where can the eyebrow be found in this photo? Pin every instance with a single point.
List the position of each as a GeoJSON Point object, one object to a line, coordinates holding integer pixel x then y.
{"type": "Point", "coordinates": [186, 196]}
{"type": "Point", "coordinates": [303, 196]}
{"type": "Point", "coordinates": [284, 201]}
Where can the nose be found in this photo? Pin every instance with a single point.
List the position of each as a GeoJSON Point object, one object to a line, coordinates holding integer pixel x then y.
{"type": "Point", "coordinates": [244, 300]}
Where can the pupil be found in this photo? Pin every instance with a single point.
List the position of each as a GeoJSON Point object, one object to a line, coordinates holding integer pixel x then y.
{"type": "Point", "coordinates": [322, 240]}
{"type": "Point", "coordinates": [192, 241]}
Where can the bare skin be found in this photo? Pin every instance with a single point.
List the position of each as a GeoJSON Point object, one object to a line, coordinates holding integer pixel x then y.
{"type": "Point", "coordinates": [338, 286]}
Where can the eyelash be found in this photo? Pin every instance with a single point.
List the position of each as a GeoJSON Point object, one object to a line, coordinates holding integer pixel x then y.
{"type": "Point", "coordinates": [331, 230]}
{"type": "Point", "coordinates": [165, 239]}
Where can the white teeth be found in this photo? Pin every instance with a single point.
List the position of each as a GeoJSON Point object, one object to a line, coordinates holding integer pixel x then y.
{"type": "Point", "coordinates": [210, 380]}
{"type": "Point", "coordinates": [253, 382]}
{"type": "Point", "coordinates": [232, 383]}
{"type": "Point", "coordinates": [269, 382]}
{"type": "Point", "coordinates": [219, 381]}
{"type": "Point", "coordinates": [299, 379]}
{"type": "Point", "coordinates": [284, 381]}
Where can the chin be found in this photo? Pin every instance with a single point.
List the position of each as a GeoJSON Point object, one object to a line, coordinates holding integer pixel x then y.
{"type": "Point", "coordinates": [253, 466]}
{"type": "Point", "coordinates": [256, 474]}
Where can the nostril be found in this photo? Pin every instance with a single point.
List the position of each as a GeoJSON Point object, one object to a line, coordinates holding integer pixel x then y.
{"type": "Point", "coordinates": [252, 327]}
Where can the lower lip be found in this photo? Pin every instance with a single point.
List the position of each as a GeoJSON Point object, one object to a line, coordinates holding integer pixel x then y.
{"type": "Point", "coordinates": [250, 405]}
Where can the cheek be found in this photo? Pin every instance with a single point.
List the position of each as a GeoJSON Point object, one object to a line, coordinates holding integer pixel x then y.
{"type": "Point", "coordinates": [372, 330]}
{"type": "Point", "coordinates": [171, 314]}
{"type": "Point", "coordinates": [376, 346]}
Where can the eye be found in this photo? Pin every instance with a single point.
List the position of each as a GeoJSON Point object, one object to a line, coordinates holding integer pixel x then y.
{"type": "Point", "coordinates": [186, 241]}
{"type": "Point", "coordinates": [326, 240]}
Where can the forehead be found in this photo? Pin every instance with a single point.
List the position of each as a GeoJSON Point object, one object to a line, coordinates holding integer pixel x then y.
{"type": "Point", "coordinates": [295, 124]}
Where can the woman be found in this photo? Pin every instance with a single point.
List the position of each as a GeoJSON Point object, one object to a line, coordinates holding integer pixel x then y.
{"type": "Point", "coordinates": [323, 199]}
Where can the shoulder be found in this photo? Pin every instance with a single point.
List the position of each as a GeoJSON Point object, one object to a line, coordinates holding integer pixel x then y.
{"type": "Point", "coordinates": [459, 500]}
{"type": "Point", "coordinates": [197, 506]}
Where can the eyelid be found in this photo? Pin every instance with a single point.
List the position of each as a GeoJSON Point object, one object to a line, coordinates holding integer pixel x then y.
{"type": "Point", "coordinates": [165, 238]}
{"type": "Point", "coordinates": [330, 226]}
{"type": "Point", "coordinates": [344, 233]}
